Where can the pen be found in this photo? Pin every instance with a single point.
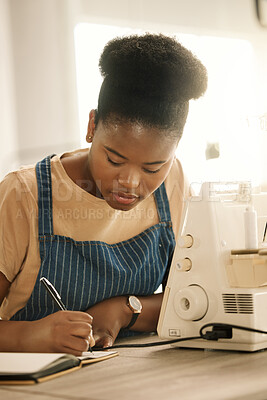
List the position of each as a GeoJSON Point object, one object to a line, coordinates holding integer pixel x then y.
{"type": "Point", "coordinates": [55, 295]}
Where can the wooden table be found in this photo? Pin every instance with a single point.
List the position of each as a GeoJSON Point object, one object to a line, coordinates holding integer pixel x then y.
{"type": "Point", "coordinates": [154, 373]}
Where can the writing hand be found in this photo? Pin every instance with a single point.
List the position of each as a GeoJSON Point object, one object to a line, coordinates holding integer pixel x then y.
{"type": "Point", "coordinates": [62, 332]}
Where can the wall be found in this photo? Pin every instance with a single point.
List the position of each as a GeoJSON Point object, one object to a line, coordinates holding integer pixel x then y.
{"type": "Point", "coordinates": [7, 104]}
{"type": "Point", "coordinates": [44, 72]}
{"type": "Point", "coordinates": [38, 97]}
{"type": "Point", "coordinates": [39, 113]}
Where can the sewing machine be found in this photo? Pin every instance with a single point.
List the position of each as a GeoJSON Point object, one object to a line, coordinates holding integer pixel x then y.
{"type": "Point", "coordinates": [219, 269]}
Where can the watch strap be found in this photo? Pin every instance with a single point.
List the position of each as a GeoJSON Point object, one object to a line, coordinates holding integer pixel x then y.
{"type": "Point", "coordinates": [136, 307]}
{"type": "Point", "coordinates": [133, 320]}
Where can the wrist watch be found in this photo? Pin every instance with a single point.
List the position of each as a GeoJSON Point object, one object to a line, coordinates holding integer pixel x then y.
{"type": "Point", "coordinates": [135, 306]}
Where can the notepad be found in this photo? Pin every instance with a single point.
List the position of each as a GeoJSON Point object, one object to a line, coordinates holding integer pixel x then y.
{"type": "Point", "coordinates": [30, 368]}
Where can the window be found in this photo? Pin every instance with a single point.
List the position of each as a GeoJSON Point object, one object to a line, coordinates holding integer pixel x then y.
{"type": "Point", "coordinates": [90, 40]}
{"type": "Point", "coordinates": [219, 142]}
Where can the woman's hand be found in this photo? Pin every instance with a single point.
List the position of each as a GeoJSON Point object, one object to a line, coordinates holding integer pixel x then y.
{"type": "Point", "coordinates": [109, 316]}
{"type": "Point", "coordinates": [61, 332]}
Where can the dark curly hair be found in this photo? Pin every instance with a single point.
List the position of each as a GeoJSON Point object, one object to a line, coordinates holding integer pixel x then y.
{"type": "Point", "coordinates": [149, 79]}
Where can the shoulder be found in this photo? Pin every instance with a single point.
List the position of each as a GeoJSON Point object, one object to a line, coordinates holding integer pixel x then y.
{"type": "Point", "coordinates": [19, 184]}
{"type": "Point", "coordinates": [70, 163]}
{"type": "Point", "coordinates": [178, 191]}
{"type": "Point", "coordinates": [176, 181]}
{"type": "Point", "coordinates": [18, 207]}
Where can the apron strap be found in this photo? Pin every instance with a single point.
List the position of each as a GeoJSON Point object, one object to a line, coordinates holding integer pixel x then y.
{"type": "Point", "coordinates": [45, 208]}
{"type": "Point", "coordinates": [162, 204]}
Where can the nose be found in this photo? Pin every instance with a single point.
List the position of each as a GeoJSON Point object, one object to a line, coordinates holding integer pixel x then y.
{"type": "Point", "coordinates": [129, 178]}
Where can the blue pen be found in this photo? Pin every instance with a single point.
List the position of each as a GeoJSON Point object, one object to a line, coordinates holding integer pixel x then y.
{"type": "Point", "coordinates": [55, 296]}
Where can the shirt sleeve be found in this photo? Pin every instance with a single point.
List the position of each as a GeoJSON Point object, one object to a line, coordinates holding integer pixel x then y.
{"type": "Point", "coordinates": [14, 225]}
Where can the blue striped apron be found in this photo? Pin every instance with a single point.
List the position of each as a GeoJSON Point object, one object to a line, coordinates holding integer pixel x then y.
{"type": "Point", "coordinates": [87, 272]}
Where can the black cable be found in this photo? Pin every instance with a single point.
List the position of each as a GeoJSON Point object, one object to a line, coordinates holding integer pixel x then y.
{"type": "Point", "coordinates": [220, 331]}
{"type": "Point", "coordinates": [150, 344]}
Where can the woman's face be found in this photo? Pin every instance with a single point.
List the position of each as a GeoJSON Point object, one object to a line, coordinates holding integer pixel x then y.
{"type": "Point", "coordinates": [127, 161]}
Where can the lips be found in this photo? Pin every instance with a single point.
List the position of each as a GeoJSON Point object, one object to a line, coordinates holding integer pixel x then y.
{"type": "Point", "coordinates": [124, 198]}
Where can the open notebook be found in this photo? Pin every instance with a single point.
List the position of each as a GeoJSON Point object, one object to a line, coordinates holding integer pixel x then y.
{"type": "Point", "coordinates": [30, 368]}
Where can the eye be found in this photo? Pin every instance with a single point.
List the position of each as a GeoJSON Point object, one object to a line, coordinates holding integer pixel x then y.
{"type": "Point", "coordinates": [113, 162]}
{"type": "Point", "coordinates": [148, 171]}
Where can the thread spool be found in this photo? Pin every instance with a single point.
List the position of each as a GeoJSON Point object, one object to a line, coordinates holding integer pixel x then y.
{"type": "Point", "coordinates": [251, 228]}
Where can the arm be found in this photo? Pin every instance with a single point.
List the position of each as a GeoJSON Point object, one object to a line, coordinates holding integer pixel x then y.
{"type": "Point", "coordinates": [64, 331]}
{"type": "Point", "coordinates": [61, 332]}
{"type": "Point", "coordinates": [111, 315]}
{"type": "Point", "coordinates": [148, 319]}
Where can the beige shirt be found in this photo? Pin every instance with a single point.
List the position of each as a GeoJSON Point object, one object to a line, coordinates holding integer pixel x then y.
{"type": "Point", "coordinates": [76, 214]}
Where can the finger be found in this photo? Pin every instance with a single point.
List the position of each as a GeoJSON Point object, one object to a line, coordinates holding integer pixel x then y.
{"type": "Point", "coordinates": [78, 316]}
{"type": "Point", "coordinates": [80, 329]}
{"type": "Point", "coordinates": [91, 340]}
{"type": "Point", "coordinates": [69, 350]}
{"type": "Point", "coordinates": [75, 345]}
{"type": "Point", "coordinates": [103, 341]}
{"type": "Point", "coordinates": [97, 338]}
{"type": "Point", "coordinates": [108, 342]}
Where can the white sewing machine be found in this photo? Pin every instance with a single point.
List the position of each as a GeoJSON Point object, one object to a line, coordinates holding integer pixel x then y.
{"type": "Point", "coordinates": [215, 277]}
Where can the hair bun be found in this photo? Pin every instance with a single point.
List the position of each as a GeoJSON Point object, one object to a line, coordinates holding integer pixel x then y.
{"type": "Point", "coordinates": [153, 65]}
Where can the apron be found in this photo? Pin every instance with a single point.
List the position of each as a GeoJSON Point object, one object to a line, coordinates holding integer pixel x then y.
{"type": "Point", "coordinates": [87, 272]}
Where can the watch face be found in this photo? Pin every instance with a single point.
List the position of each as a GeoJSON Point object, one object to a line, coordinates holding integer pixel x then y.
{"type": "Point", "coordinates": [135, 304]}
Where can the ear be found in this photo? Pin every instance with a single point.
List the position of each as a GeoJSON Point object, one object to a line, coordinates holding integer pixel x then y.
{"type": "Point", "coordinates": [91, 127]}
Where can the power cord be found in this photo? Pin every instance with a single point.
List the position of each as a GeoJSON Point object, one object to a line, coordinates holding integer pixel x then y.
{"type": "Point", "coordinates": [219, 331]}
{"type": "Point", "coordinates": [224, 331]}
{"type": "Point", "coordinates": [150, 344]}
